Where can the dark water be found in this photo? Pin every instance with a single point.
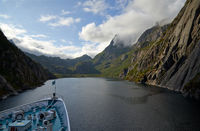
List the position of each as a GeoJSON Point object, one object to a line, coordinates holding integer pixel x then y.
{"type": "Point", "coordinates": [99, 104]}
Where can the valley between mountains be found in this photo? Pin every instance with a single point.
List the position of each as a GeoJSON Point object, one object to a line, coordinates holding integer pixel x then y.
{"type": "Point", "coordinates": [165, 55]}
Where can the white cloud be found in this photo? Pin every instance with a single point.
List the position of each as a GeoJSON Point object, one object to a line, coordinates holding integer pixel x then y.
{"type": "Point", "coordinates": [92, 49]}
{"type": "Point", "coordinates": [30, 43]}
{"type": "Point", "coordinates": [121, 4]}
{"type": "Point", "coordinates": [65, 21]}
{"type": "Point", "coordinates": [39, 36]}
{"type": "Point", "coordinates": [136, 17]}
{"type": "Point", "coordinates": [59, 20]}
{"type": "Point", "coordinates": [48, 48]}
{"type": "Point", "coordinates": [45, 18]}
{"type": "Point", "coordinates": [78, 4]}
{"type": "Point", "coordinates": [95, 6]}
{"type": "Point", "coordinates": [63, 12]}
{"type": "Point", "coordinates": [11, 30]}
{"type": "Point", "coordinates": [77, 20]}
{"type": "Point", "coordinates": [93, 33]}
{"type": "Point", "coordinates": [4, 16]}
{"type": "Point", "coordinates": [64, 41]}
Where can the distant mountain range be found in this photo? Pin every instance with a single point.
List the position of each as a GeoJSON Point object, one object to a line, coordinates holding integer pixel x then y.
{"type": "Point", "coordinates": [166, 56]}
{"type": "Point", "coordinates": [110, 62]}
{"type": "Point", "coordinates": [66, 67]}
{"type": "Point", "coordinates": [17, 71]}
{"type": "Point", "coordinates": [84, 64]}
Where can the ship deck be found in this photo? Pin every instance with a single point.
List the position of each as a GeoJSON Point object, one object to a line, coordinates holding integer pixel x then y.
{"type": "Point", "coordinates": [59, 123]}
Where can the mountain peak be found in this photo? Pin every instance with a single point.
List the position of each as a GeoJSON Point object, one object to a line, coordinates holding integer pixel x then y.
{"type": "Point", "coordinates": [84, 58]}
{"type": "Point", "coordinates": [112, 51]}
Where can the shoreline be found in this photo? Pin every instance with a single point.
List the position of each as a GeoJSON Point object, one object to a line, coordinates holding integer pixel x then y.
{"type": "Point", "coordinates": [19, 91]}
{"type": "Point", "coordinates": [184, 94]}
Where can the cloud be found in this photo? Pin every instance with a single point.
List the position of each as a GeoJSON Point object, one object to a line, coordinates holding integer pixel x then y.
{"type": "Point", "coordinates": [63, 12]}
{"type": "Point", "coordinates": [135, 18]}
{"type": "Point", "coordinates": [78, 4]}
{"type": "Point", "coordinates": [48, 48]}
{"type": "Point", "coordinates": [122, 3]}
{"type": "Point", "coordinates": [4, 16]}
{"type": "Point", "coordinates": [30, 44]}
{"type": "Point", "coordinates": [39, 36]}
{"type": "Point", "coordinates": [94, 6]}
{"type": "Point", "coordinates": [92, 49]}
{"type": "Point", "coordinates": [45, 18]}
{"type": "Point", "coordinates": [59, 20]}
{"type": "Point", "coordinates": [12, 30]}
{"type": "Point", "coordinates": [64, 41]}
{"type": "Point", "coordinates": [94, 33]}
{"type": "Point", "coordinates": [65, 21]}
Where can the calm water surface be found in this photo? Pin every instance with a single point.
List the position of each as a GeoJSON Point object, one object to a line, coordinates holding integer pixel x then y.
{"type": "Point", "coordinates": [100, 104]}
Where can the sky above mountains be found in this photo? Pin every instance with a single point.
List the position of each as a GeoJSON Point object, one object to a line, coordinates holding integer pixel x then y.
{"type": "Point", "coordinates": [71, 28]}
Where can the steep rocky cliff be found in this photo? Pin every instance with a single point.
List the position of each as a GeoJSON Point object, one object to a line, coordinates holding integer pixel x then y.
{"type": "Point", "coordinates": [173, 61]}
{"type": "Point", "coordinates": [17, 71]}
{"type": "Point", "coordinates": [147, 38]}
{"type": "Point", "coordinates": [151, 35]}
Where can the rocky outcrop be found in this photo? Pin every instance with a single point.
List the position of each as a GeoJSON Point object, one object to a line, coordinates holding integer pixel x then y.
{"type": "Point", "coordinates": [144, 42]}
{"type": "Point", "coordinates": [151, 35]}
{"type": "Point", "coordinates": [173, 60]}
{"type": "Point", "coordinates": [17, 71]}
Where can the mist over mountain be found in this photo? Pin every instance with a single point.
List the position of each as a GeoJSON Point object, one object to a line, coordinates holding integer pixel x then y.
{"type": "Point", "coordinates": [117, 66]}
{"type": "Point", "coordinates": [112, 51]}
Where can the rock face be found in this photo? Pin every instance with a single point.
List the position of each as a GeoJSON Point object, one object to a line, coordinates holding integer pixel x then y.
{"type": "Point", "coordinates": [17, 71]}
{"type": "Point", "coordinates": [174, 59]}
{"type": "Point", "coordinates": [145, 41]}
{"type": "Point", "coordinates": [151, 35]}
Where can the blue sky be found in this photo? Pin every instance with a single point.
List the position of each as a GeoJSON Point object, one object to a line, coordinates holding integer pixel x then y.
{"type": "Point", "coordinates": [71, 28]}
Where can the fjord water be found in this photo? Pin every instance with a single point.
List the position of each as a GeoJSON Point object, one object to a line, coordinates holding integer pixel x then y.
{"type": "Point", "coordinates": [100, 104]}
